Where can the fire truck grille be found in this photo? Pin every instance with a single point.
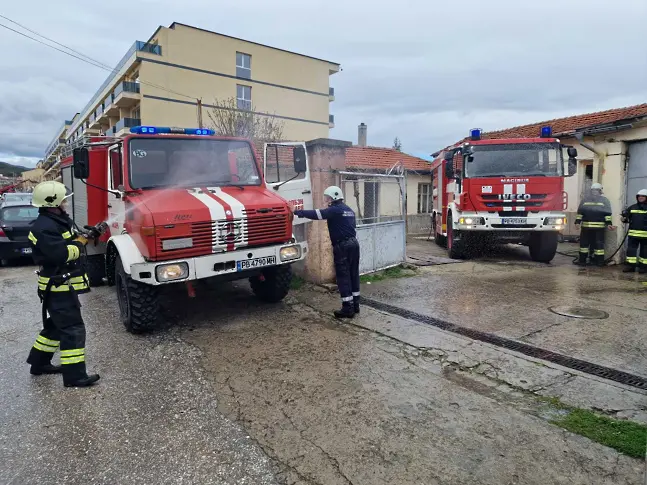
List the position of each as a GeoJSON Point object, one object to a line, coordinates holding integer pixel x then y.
{"type": "Point", "coordinates": [493, 201]}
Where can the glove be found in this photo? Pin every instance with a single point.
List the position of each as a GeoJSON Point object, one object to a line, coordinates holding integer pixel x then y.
{"type": "Point", "coordinates": [81, 239]}
{"type": "Point", "coordinates": [298, 213]}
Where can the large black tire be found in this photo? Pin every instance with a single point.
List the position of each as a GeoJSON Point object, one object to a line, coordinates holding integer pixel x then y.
{"type": "Point", "coordinates": [96, 269]}
{"type": "Point", "coordinates": [111, 266]}
{"type": "Point", "coordinates": [455, 248]}
{"type": "Point", "coordinates": [138, 303]}
{"type": "Point", "coordinates": [543, 246]}
{"type": "Point", "coordinates": [273, 285]}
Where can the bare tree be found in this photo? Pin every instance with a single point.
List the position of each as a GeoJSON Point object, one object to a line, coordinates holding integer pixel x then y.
{"type": "Point", "coordinates": [397, 144]}
{"type": "Point", "coordinates": [227, 119]}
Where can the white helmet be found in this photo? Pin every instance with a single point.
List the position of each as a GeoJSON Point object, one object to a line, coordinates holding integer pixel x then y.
{"type": "Point", "coordinates": [49, 194]}
{"type": "Point", "coordinates": [596, 186]}
{"type": "Point", "coordinates": [642, 192]}
{"type": "Point", "coordinates": [334, 193]}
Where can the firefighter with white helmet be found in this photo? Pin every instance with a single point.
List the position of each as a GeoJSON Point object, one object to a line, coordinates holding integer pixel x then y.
{"type": "Point", "coordinates": [58, 249]}
{"type": "Point", "coordinates": [636, 216]}
{"type": "Point", "coordinates": [594, 215]}
{"type": "Point", "coordinates": [341, 227]}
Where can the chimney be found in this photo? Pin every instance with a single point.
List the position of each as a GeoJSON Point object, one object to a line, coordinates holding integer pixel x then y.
{"type": "Point", "coordinates": [361, 135]}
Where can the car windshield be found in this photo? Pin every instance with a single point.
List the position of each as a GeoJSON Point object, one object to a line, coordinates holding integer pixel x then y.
{"type": "Point", "coordinates": [194, 162]}
{"type": "Point", "coordinates": [18, 213]}
{"type": "Point", "coordinates": [17, 197]}
{"type": "Point", "coordinates": [518, 159]}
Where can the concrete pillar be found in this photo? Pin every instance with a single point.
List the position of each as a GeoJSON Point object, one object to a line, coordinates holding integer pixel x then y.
{"type": "Point", "coordinates": [325, 156]}
{"type": "Point", "coordinates": [612, 177]}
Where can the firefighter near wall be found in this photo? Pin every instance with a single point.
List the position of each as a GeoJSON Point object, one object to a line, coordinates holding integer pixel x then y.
{"type": "Point", "coordinates": [636, 216]}
{"type": "Point", "coordinates": [182, 206]}
{"type": "Point", "coordinates": [594, 216]}
{"type": "Point", "coordinates": [488, 191]}
{"type": "Point", "coordinates": [59, 249]}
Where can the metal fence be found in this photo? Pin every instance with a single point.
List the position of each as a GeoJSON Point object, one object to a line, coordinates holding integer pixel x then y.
{"type": "Point", "coordinates": [379, 202]}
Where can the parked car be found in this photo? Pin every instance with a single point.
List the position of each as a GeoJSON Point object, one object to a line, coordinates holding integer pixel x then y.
{"type": "Point", "coordinates": [15, 197]}
{"type": "Point", "coordinates": [15, 223]}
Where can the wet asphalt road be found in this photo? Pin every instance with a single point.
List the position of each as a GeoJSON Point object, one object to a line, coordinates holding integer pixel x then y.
{"type": "Point", "coordinates": [237, 392]}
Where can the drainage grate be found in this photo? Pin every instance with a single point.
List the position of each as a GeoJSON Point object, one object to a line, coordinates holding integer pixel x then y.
{"type": "Point", "coordinates": [530, 350]}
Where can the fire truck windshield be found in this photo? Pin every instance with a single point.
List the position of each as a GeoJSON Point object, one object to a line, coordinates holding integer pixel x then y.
{"type": "Point", "coordinates": [190, 162]}
{"type": "Point", "coordinates": [515, 159]}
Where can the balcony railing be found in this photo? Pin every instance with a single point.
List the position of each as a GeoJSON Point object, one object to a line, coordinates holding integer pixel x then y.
{"type": "Point", "coordinates": [127, 123]}
{"type": "Point", "coordinates": [138, 46]}
{"type": "Point", "coordinates": [126, 87]}
{"type": "Point", "coordinates": [55, 142]}
{"type": "Point", "coordinates": [331, 121]}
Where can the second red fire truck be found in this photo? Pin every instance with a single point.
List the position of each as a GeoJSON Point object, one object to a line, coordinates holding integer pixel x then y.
{"type": "Point", "coordinates": [501, 190]}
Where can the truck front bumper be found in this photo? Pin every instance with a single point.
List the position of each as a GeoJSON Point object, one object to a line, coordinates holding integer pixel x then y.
{"type": "Point", "coordinates": [243, 261]}
{"type": "Point", "coordinates": [545, 222]}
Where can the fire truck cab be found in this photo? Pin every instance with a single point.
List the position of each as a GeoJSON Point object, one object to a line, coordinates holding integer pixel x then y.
{"type": "Point", "coordinates": [501, 191]}
{"type": "Point", "coordinates": [181, 205]}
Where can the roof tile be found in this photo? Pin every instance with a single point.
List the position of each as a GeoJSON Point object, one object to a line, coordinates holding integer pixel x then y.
{"type": "Point", "coordinates": [382, 159]}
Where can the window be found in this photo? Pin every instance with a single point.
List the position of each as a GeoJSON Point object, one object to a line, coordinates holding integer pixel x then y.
{"type": "Point", "coordinates": [279, 164]}
{"type": "Point", "coordinates": [244, 97]}
{"type": "Point", "coordinates": [115, 168]}
{"type": "Point", "coordinates": [424, 198]}
{"type": "Point", "coordinates": [243, 65]}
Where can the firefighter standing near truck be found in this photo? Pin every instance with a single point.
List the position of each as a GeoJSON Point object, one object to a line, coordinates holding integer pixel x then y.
{"type": "Point", "coordinates": [341, 227]}
{"type": "Point", "coordinates": [636, 216]}
{"type": "Point", "coordinates": [594, 215]}
{"type": "Point", "coordinates": [59, 249]}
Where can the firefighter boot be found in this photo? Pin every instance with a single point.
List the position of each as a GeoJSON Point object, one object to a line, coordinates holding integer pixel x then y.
{"type": "Point", "coordinates": [642, 270]}
{"type": "Point", "coordinates": [629, 269]}
{"type": "Point", "coordinates": [74, 375]}
{"type": "Point", "coordinates": [37, 370]}
{"type": "Point", "coordinates": [356, 304]}
{"type": "Point", "coordinates": [347, 311]}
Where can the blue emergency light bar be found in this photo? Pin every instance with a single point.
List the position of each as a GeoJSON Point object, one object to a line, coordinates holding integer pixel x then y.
{"type": "Point", "coordinates": [546, 132]}
{"type": "Point", "coordinates": [161, 130]}
{"type": "Point", "coordinates": [475, 133]}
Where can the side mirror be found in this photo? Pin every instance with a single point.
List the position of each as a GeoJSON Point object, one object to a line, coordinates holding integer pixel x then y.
{"type": "Point", "coordinates": [81, 167]}
{"type": "Point", "coordinates": [448, 156]}
{"type": "Point", "coordinates": [470, 158]}
{"type": "Point", "coordinates": [299, 159]}
{"type": "Point", "coordinates": [572, 152]}
{"type": "Point", "coordinates": [572, 167]}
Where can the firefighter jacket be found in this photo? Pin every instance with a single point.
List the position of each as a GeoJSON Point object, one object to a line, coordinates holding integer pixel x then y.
{"type": "Point", "coordinates": [594, 212]}
{"type": "Point", "coordinates": [58, 254]}
{"type": "Point", "coordinates": [636, 216]}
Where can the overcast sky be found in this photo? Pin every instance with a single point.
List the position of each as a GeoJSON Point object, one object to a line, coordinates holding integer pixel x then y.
{"type": "Point", "coordinates": [423, 70]}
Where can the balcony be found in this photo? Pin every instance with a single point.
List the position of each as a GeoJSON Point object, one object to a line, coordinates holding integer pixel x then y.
{"type": "Point", "coordinates": [126, 94]}
{"type": "Point", "coordinates": [124, 125]}
{"type": "Point", "coordinates": [94, 121]}
{"type": "Point", "coordinates": [331, 94]}
{"type": "Point", "coordinates": [109, 107]}
{"type": "Point", "coordinates": [331, 121]}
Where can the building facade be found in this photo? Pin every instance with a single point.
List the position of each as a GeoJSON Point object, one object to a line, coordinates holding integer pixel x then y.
{"type": "Point", "coordinates": [159, 82]}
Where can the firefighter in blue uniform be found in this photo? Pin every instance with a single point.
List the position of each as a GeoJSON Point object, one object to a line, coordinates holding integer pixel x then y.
{"type": "Point", "coordinates": [59, 250]}
{"type": "Point", "coordinates": [341, 227]}
{"type": "Point", "coordinates": [594, 215]}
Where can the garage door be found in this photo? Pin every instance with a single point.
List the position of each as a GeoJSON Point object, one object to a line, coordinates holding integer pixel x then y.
{"type": "Point", "coordinates": [636, 170]}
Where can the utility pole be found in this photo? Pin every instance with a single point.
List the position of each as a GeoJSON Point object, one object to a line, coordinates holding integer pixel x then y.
{"type": "Point", "coordinates": [199, 113]}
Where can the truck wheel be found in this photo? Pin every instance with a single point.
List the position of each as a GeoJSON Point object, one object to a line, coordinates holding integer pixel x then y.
{"type": "Point", "coordinates": [96, 269]}
{"type": "Point", "coordinates": [455, 248]}
{"type": "Point", "coordinates": [111, 266]}
{"type": "Point", "coordinates": [273, 284]}
{"type": "Point", "coordinates": [138, 302]}
{"type": "Point", "coordinates": [543, 246]}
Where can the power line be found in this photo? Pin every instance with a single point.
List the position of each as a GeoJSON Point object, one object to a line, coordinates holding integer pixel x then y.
{"type": "Point", "coordinates": [85, 58]}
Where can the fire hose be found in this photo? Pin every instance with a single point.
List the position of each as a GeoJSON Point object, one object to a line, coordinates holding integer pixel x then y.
{"type": "Point", "coordinates": [606, 261]}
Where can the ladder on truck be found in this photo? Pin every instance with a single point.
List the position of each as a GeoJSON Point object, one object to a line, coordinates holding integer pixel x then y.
{"type": "Point", "coordinates": [88, 141]}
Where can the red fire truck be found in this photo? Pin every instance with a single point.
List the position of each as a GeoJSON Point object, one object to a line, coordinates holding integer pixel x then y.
{"type": "Point", "coordinates": [501, 190]}
{"type": "Point", "coordinates": [180, 205]}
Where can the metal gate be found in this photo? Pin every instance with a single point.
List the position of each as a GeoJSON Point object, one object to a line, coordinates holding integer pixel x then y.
{"type": "Point", "coordinates": [379, 202]}
{"type": "Point", "coordinates": [636, 170]}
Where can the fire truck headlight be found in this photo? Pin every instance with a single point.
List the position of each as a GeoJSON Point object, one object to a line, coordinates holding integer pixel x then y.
{"type": "Point", "coordinates": [555, 221]}
{"type": "Point", "coordinates": [171, 272]}
{"type": "Point", "coordinates": [471, 221]}
{"type": "Point", "coordinates": [289, 253]}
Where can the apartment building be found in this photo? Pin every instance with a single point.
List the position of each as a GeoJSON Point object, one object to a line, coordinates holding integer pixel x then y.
{"type": "Point", "coordinates": [159, 82]}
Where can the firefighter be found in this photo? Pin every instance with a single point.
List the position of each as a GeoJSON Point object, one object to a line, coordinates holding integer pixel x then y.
{"type": "Point", "coordinates": [59, 249]}
{"type": "Point", "coordinates": [594, 214]}
{"type": "Point", "coordinates": [636, 216]}
{"type": "Point", "coordinates": [341, 227]}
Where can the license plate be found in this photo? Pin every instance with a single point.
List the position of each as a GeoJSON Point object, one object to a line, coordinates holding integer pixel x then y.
{"type": "Point", "coordinates": [26, 250]}
{"type": "Point", "coordinates": [255, 263]}
{"type": "Point", "coordinates": [514, 220]}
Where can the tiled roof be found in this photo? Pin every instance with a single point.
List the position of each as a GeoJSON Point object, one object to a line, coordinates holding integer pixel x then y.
{"type": "Point", "coordinates": [570, 124]}
{"type": "Point", "coordinates": [382, 159]}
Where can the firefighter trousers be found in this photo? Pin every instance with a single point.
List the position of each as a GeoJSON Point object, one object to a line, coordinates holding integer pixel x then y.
{"type": "Point", "coordinates": [346, 256]}
{"type": "Point", "coordinates": [592, 243]}
{"type": "Point", "coordinates": [636, 256]}
{"type": "Point", "coordinates": [63, 328]}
